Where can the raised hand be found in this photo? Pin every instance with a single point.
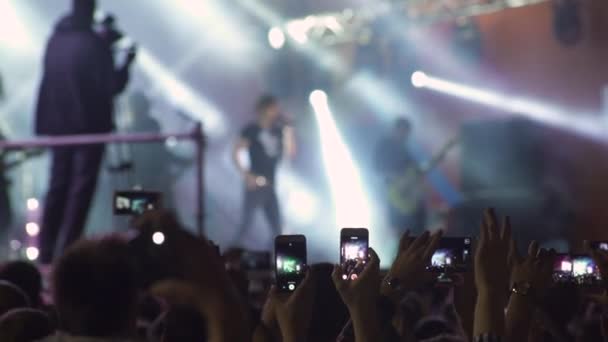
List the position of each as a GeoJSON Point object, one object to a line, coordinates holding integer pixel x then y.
{"type": "Point", "coordinates": [533, 270]}
{"type": "Point", "coordinates": [530, 276]}
{"type": "Point", "coordinates": [408, 271]}
{"type": "Point", "coordinates": [361, 296]}
{"type": "Point", "coordinates": [491, 257]}
{"type": "Point", "coordinates": [293, 311]}
{"type": "Point", "coordinates": [491, 275]}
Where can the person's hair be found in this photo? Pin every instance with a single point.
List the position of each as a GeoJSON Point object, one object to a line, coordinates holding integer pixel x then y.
{"type": "Point", "coordinates": [25, 325]}
{"type": "Point", "coordinates": [12, 297]}
{"type": "Point", "coordinates": [84, 9]}
{"type": "Point", "coordinates": [264, 102]}
{"type": "Point", "coordinates": [95, 289]}
{"type": "Point", "coordinates": [403, 123]}
{"type": "Point", "coordinates": [26, 276]}
{"type": "Point", "coordinates": [330, 311]}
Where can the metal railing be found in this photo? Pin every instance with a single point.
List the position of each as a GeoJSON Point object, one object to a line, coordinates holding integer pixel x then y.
{"type": "Point", "coordinates": [196, 135]}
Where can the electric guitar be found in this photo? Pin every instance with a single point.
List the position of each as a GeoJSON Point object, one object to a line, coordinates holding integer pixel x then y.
{"type": "Point", "coordinates": [406, 190]}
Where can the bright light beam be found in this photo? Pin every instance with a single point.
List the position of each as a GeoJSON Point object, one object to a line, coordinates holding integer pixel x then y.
{"type": "Point", "coordinates": [181, 94]}
{"type": "Point", "coordinates": [541, 112]}
{"type": "Point", "coordinates": [350, 201]}
{"type": "Point", "coordinates": [13, 32]}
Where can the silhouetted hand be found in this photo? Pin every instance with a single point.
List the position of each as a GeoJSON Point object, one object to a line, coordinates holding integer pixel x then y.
{"type": "Point", "coordinates": [491, 257]}
{"type": "Point", "coordinates": [536, 268]}
{"type": "Point", "coordinates": [412, 260]}
{"type": "Point", "coordinates": [293, 311]}
{"type": "Point", "coordinates": [360, 296]}
{"type": "Point", "coordinates": [361, 293]}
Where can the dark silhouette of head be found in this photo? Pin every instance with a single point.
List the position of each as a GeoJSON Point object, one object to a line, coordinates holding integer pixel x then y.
{"type": "Point", "coordinates": [26, 276]}
{"type": "Point", "coordinates": [84, 10]}
{"type": "Point", "coordinates": [25, 325]}
{"type": "Point", "coordinates": [402, 128]}
{"type": "Point", "coordinates": [12, 297]}
{"type": "Point", "coordinates": [95, 289]}
{"type": "Point", "coordinates": [330, 312]}
{"type": "Point", "coordinates": [267, 107]}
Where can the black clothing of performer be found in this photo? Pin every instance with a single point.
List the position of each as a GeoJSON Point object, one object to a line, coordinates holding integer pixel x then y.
{"type": "Point", "coordinates": [75, 97]}
{"type": "Point", "coordinates": [265, 152]}
{"type": "Point", "coordinates": [392, 159]}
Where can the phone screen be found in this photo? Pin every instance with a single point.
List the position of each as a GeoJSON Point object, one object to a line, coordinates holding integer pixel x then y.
{"type": "Point", "coordinates": [453, 255]}
{"type": "Point", "coordinates": [290, 261]}
{"type": "Point", "coordinates": [576, 269]}
{"type": "Point", "coordinates": [354, 243]}
{"type": "Point", "coordinates": [135, 202]}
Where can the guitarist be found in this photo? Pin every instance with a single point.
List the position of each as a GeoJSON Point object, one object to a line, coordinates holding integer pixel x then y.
{"type": "Point", "coordinates": [392, 159]}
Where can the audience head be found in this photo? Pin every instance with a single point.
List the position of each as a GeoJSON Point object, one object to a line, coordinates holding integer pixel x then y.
{"type": "Point", "coordinates": [95, 289]}
{"type": "Point", "coordinates": [26, 276]}
{"type": "Point", "coordinates": [25, 325]}
{"type": "Point", "coordinates": [12, 297]}
{"type": "Point", "coordinates": [402, 128]}
{"type": "Point", "coordinates": [267, 107]}
{"type": "Point", "coordinates": [84, 10]}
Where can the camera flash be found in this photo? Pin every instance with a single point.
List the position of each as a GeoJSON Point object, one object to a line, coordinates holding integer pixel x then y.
{"type": "Point", "coordinates": [158, 238]}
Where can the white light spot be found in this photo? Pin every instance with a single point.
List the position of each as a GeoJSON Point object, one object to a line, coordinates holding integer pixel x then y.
{"type": "Point", "coordinates": [276, 38]}
{"type": "Point", "coordinates": [32, 228]}
{"type": "Point", "coordinates": [32, 253]}
{"type": "Point", "coordinates": [318, 98]}
{"type": "Point", "coordinates": [158, 238]}
{"type": "Point", "coordinates": [419, 79]}
{"type": "Point", "coordinates": [32, 204]}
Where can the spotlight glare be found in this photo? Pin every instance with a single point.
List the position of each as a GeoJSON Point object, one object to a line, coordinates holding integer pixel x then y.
{"type": "Point", "coordinates": [318, 98]}
{"type": "Point", "coordinates": [32, 253]}
{"type": "Point", "coordinates": [276, 38]}
{"type": "Point", "coordinates": [419, 79]}
{"type": "Point", "coordinates": [158, 238]}
{"type": "Point", "coordinates": [32, 204]}
{"type": "Point", "coordinates": [32, 228]}
{"type": "Point", "coordinates": [350, 200]}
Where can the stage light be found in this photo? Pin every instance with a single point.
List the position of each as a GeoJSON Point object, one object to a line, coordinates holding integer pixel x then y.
{"type": "Point", "coordinates": [14, 35]}
{"type": "Point", "coordinates": [419, 79]}
{"type": "Point", "coordinates": [276, 38]}
{"type": "Point", "coordinates": [350, 200]}
{"type": "Point", "coordinates": [32, 204]}
{"type": "Point", "coordinates": [318, 98]}
{"type": "Point", "coordinates": [158, 238]}
{"type": "Point", "coordinates": [298, 30]}
{"type": "Point", "coordinates": [531, 109]}
{"type": "Point", "coordinates": [32, 228]}
{"type": "Point", "coordinates": [32, 253]}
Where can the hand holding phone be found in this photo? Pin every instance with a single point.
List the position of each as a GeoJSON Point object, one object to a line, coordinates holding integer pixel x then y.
{"type": "Point", "coordinates": [453, 255]}
{"type": "Point", "coordinates": [290, 261]}
{"type": "Point", "coordinates": [354, 244]}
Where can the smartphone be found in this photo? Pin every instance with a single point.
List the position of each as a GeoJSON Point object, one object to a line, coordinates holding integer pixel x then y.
{"type": "Point", "coordinates": [354, 244]}
{"type": "Point", "coordinates": [454, 254]}
{"type": "Point", "coordinates": [576, 269]}
{"type": "Point", "coordinates": [290, 261]}
{"type": "Point", "coordinates": [136, 202]}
